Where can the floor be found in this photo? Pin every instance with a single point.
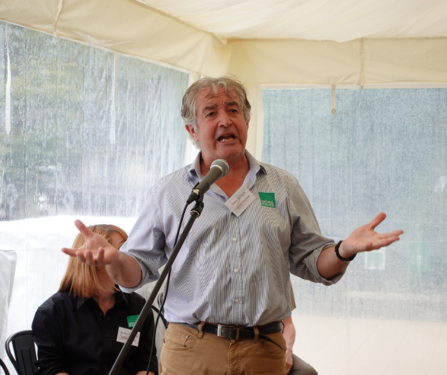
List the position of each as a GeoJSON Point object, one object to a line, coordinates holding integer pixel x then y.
{"type": "Point", "coordinates": [340, 346]}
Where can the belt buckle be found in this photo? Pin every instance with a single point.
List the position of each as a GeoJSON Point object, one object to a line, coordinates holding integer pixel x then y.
{"type": "Point", "coordinates": [227, 332]}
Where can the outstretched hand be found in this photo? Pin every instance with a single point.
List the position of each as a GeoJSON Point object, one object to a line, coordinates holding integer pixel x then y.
{"type": "Point", "coordinates": [96, 251]}
{"type": "Point", "coordinates": [365, 238]}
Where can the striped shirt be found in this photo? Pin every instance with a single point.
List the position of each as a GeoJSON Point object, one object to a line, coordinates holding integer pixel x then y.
{"type": "Point", "coordinates": [230, 270]}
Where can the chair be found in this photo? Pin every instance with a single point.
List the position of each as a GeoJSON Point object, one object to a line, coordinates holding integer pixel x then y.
{"type": "Point", "coordinates": [3, 366]}
{"type": "Point", "coordinates": [24, 358]}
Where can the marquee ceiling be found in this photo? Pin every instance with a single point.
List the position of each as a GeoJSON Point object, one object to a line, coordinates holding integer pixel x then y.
{"type": "Point", "coordinates": [268, 42]}
{"type": "Point", "coordinates": [335, 20]}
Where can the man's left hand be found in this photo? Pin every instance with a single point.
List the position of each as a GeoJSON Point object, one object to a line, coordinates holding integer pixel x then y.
{"type": "Point", "coordinates": [365, 238]}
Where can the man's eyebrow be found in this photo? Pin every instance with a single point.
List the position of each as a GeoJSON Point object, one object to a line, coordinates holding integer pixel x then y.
{"type": "Point", "coordinates": [207, 108]}
{"type": "Point", "coordinates": [229, 104]}
{"type": "Point", "coordinates": [214, 106]}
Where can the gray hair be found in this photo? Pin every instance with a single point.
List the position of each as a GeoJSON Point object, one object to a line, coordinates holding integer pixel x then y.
{"type": "Point", "coordinates": [229, 83]}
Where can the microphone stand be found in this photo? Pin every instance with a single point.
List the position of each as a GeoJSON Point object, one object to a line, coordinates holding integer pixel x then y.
{"type": "Point", "coordinates": [195, 213]}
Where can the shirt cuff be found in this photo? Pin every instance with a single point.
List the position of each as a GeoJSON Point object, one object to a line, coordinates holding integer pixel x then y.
{"type": "Point", "coordinates": [312, 264]}
{"type": "Point", "coordinates": [144, 274]}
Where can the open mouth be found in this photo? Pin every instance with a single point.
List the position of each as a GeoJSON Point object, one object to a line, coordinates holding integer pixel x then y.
{"type": "Point", "coordinates": [226, 138]}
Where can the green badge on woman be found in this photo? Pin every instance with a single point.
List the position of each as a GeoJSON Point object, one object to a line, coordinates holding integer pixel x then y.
{"type": "Point", "coordinates": [131, 320]}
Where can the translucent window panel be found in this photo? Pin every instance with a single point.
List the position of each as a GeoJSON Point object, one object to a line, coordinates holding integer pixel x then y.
{"type": "Point", "coordinates": [384, 150]}
{"type": "Point", "coordinates": [90, 131]}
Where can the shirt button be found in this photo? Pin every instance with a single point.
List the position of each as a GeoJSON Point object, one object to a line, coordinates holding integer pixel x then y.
{"type": "Point", "coordinates": [107, 335]}
{"type": "Point", "coordinates": [236, 300]}
{"type": "Point", "coordinates": [234, 239]}
{"type": "Point", "coordinates": [236, 270]}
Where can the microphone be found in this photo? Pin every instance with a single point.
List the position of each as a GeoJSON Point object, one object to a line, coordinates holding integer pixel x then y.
{"type": "Point", "coordinates": [219, 168]}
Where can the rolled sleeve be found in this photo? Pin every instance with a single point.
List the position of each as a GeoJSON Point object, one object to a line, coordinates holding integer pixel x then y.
{"type": "Point", "coordinates": [307, 242]}
{"type": "Point", "coordinates": [146, 243]}
{"type": "Point", "coordinates": [144, 276]}
{"type": "Point", "coordinates": [311, 264]}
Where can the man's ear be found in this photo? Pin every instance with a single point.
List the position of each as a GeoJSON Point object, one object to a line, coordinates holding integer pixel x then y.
{"type": "Point", "coordinates": [190, 130]}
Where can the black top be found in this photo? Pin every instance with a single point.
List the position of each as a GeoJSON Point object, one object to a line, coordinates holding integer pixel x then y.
{"type": "Point", "coordinates": [74, 336]}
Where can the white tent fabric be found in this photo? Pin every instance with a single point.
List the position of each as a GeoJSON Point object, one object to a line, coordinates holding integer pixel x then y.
{"type": "Point", "coordinates": [339, 21]}
{"type": "Point", "coordinates": [268, 42]}
{"type": "Point", "coordinates": [8, 260]}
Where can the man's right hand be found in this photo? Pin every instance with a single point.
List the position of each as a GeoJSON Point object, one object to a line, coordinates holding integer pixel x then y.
{"type": "Point", "coordinates": [96, 251]}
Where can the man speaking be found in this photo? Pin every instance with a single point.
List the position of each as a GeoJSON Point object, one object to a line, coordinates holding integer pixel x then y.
{"type": "Point", "coordinates": [229, 286]}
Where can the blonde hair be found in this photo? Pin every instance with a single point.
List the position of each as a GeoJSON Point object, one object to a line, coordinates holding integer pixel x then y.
{"type": "Point", "coordinates": [81, 280]}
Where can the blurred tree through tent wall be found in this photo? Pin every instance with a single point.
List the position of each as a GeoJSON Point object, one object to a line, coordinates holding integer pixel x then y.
{"type": "Point", "coordinates": [83, 134]}
{"type": "Point", "coordinates": [89, 130]}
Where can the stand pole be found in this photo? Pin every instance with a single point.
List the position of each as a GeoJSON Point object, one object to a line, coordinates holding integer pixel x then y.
{"type": "Point", "coordinates": [195, 213]}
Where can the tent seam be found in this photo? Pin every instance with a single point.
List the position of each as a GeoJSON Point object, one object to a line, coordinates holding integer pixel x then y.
{"type": "Point", "coordinates": [362, 63]}
{"type": "Point", "coordinates": [56, 20]}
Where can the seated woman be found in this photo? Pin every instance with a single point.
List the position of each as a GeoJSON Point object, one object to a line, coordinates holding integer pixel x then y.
{"type": "Point", "coordinates": [80, 329]}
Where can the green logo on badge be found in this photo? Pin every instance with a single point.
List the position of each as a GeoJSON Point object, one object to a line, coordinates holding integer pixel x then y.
{"type": "Point", "coordinates": [267, 199]}
{"type": "Point", "coordinates": [131, 320]}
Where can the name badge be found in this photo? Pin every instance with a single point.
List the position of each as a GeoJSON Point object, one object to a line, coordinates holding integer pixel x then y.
{"type": "Point", "coordinates": [131, 320]}
{"type": "Point", "coordinates": [123, 334]}
{"type": "Point", "coordinates": [240, 200]}
{"type": "Point", "coordinates": [267, 199]}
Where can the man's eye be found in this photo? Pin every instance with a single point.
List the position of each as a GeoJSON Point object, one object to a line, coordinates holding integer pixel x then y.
{"type": "Point", "coordinates": [209, 114]}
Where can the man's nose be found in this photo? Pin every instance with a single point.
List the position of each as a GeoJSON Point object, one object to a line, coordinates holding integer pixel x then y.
{"type": "Point", "coordinates": [223, 118]}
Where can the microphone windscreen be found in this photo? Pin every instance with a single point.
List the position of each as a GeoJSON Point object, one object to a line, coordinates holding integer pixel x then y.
{"type": "Point", "coordinates": [223, 165]}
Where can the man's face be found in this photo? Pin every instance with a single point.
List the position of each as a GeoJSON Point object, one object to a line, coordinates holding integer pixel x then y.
{"type": "Point", "coordinates": [222, 126]}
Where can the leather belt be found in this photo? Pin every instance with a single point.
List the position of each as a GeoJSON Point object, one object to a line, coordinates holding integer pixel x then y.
{"type": "Point", "coordinates": [240, 332]}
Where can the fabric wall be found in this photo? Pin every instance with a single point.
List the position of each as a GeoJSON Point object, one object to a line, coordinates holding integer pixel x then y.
{"type": "Point", "coordinates": [384, 150]}
{"type": "Point", "coordinates": [358, 62]}
{"type": "Point", "coordinates": [127, 27]}
{"type": "Point", "coordinates": [83, 134]}
{"type": "Point", "coordinates": [134, 29]}
{"type": "Point", "coordinates": [84, 131]}
{"type": "Point", "coordinates": [8, 260]}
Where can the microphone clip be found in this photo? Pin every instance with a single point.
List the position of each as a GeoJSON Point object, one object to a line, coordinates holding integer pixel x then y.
{"type": "Point", "coordinates": [195, 194]}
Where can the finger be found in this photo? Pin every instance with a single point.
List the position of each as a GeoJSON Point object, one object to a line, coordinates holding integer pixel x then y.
{"type": "Point", "coordinates": [377, 220]}
{"type": "Point", "coordinates": [87, 233]}
{"type": "Point", "coordinates": [69, 252]}
{"type": "Point", "coordinates": [90, 260]}
{"type": "Point", "coordinates": [389, 237]}
{"type": "Point", "coordinates": [384, 242]}
{"type": "Point", "coordinates": [81, 256]}
{"type": "Point", "coordinates": [100, 255]}
{"type": "Point", "coordinates": [397, 232]}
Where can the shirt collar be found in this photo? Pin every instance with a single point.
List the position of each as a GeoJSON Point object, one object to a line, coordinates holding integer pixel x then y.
{"type": "Point", "coordinates": [119, 296]}
{"type": "Point", "coordinates": [194, 173]}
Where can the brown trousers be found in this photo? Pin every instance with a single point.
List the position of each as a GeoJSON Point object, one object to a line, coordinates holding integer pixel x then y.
{"type": "Point", "coordinates": [189, 351]}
